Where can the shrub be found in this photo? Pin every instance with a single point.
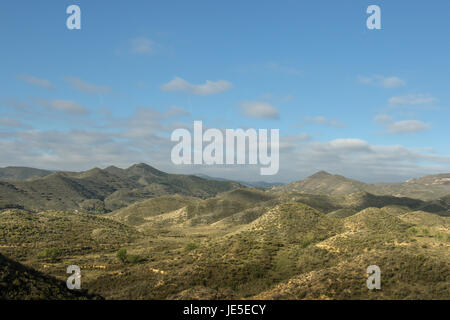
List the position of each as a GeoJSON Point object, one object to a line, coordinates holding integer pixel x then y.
{"type": "Point", "coordinates": [122, 255]}
{"type": "Point", "coordinates": [50, 254]}
{"type": "Point", "coordinates": [128, 258]}
{"type": "Point", "coordinates": [134, 258]}
{"type": "Point", "coordinates": [191, 246]}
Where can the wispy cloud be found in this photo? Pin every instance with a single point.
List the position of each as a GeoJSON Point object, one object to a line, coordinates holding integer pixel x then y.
{"type": "Point", "coordinates": [67, 106]}
{"type": "Point", "coordinates": [86, 87]}
{"type": "Point", "coordinates": [279, 68]}
{"type": "Point", "coordinates": [323, 121]}
{"type": "Point", "coordinates": [386, 82]}
{"type": "Point", "coordinates": [403, 126]}
{"type": "Point", "coordinates": [408, 126]}
{"type": "Point", "coordinates": [413, 99]}
{"type": "Point", "coordinates": [138, 138]}
{"type": "Point", "coordinates": [143, 45]}
{"type": "Point", "coordinates": [208, 88]}
{"type": "Point", "coordinates": [259, 109]}
{"type": "Point", "coordinates": [359, 159]}
{"type": "Point", "coordinates": [11, 123]}
{"type": "Point", "coordinates": [38, 82]}
{"type": "Point", "coordinates": [176, 111]}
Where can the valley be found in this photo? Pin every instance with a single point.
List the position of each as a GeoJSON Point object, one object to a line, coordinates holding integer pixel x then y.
{"type": "Point", "coordinates": [151, 235]}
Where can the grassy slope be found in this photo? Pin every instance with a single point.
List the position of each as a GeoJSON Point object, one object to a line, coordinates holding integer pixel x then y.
{"type": "Point", "coordinates": [241, 244]}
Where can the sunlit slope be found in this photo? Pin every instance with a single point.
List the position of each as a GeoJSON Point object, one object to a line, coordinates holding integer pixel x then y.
{"type": "Point", "coordinates": [413, 265]}
{"type": "Point", "coordinates": [24, 235]}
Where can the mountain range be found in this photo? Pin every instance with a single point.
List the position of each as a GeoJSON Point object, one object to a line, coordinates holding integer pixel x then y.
{"type": "Point", "coordinates": [426, 188]}
{"type": "Point", "coordinates": [105, 190]}
{"type": "Point", "coordinates": [101, 190]}
{"type": "Point", "coordinates": [140, 233]}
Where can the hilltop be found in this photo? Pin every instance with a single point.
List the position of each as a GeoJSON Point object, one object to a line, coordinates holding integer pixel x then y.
{"type": "Point", "coordinates": [325, 183]}
{"type": "Point", "coordinates": [22, 173]}
{"type": "Point", "coordinates": [425, 188]}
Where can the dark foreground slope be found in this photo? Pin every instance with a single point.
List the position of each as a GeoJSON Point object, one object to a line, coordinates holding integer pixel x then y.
{"type": "Point", "coordinates": [23, 283]}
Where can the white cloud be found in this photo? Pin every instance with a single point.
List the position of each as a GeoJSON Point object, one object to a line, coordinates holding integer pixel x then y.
{"type": "Point", "coordinates": [259, 109]}
{"type": "Point", "coordinates": [143, 137]}
{"type": "Point", "coordinates": [358, 159]}
{"type": "Point", "coordinates": [143, 45]}
{"type": "Point", "coordinates": [408, 126]}
{"type": "Point", "coordinates": [383, 119]}
{"type": "Point", "coordinates": [175, 111]}
{"type": "Point", "coordinates": [43, 83]}
{"type": "Point", "coordinates": [86, 87]}
{"type": "Point", "coordinates": [67, 106]}
{"type": "Point", "coordinates": [413, 99]}
{"type": "Point", "coordinates": [386, 82]}
{"type": "Point", "coordinates": [403, 126]}
{"type": "Point", "coordinates": [349, 144]}
{"type": "Point", "coordinates": [324, 121]}
{"type": "Point", "coordinates": [208, 88]}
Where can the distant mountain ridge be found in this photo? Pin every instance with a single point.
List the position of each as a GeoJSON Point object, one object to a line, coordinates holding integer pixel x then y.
{"type": "Point", "coordinates": [256, 184]}
{"type": "Point", "coordinates": [325, 183]}
{"type": "Point", "coordinates": [22, 173]}
{"type": "Point", "coordinates": [102, 190]}
{"type": "Point", "coordinates": [426, 188]}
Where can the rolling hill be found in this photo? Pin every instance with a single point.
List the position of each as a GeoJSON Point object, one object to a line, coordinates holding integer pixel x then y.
{"type": "Point", "coordinates": [324, 183]}
{"type": "Point", "coordinates": [184, 237]}
{"type": "Point", "coordinates": [22, 173]}
{"type": "Point", "coordinates": [425, 188]}
{"type": "Point", "coordinates": [255, 184]}
{"type": "Point", "coordinates": [99, 191]}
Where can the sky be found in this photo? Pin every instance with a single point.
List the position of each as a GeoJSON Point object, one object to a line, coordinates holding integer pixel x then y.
{"type": "Point", "coordinates": [368, 104]}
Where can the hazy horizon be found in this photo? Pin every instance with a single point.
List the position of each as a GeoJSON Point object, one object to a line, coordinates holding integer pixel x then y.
{"type": "Point", "coordinates": [370, 105]}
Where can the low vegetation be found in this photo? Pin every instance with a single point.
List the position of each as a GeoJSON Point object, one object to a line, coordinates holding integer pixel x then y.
{"type": "Point", "coordinates": [243, 243]}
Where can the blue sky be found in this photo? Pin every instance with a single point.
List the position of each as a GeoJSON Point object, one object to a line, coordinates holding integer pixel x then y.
{"type": "Point", "coordinates": [369, 104]}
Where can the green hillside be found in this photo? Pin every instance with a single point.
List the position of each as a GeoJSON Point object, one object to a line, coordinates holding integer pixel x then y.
{"type": "Point", "coordinates": [99, 191]}
{"type": "Point", "coordinates": [22, 173]}
{"type": "Point", "coordinates": [172, 237]}
{"type": "Point", "coordinates": [425, 188]}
